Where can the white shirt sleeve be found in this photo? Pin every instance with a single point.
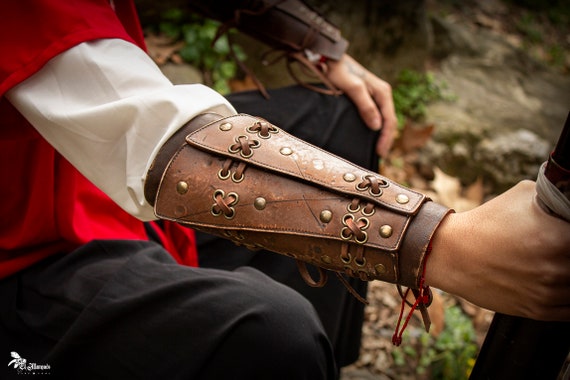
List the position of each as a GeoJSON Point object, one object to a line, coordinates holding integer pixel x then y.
{"type": "Point", "coordinates": [107, 108]}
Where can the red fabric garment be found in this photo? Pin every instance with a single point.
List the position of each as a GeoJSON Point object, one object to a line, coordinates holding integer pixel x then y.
{"type": "Point", "coordinates": [46, 205]}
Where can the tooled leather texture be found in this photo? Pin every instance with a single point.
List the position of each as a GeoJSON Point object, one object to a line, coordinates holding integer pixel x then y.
{"type": "Point", "coordinates": [244, 179]}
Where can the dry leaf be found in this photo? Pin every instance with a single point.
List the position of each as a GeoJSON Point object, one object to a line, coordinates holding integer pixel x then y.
{"type": "Point", "coordinates": [414, 136]}
{"type": "Point", "coordinates": [448, 192]}
{"type": "Point", "coordinates": [162, 49]}
{"type": "Point", "coordinates": [244, 84]}
{"type": "Point", "coordinates": [447, 188]}
{"type": "Point", "coordinates": [476, 191]}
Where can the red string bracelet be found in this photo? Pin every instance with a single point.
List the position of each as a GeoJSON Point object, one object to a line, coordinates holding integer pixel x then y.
{"type": "Point", "coordinates": [423, 300]}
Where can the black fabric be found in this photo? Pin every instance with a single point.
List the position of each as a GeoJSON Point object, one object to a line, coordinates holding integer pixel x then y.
{"type": "Point", "coordinates": [333, 124]}
{"type": "Point", "coordinates": [127, 310]}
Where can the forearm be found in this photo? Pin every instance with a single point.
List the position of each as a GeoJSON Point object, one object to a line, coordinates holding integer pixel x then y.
{"type": "Point", "coordinates": [107, 108]}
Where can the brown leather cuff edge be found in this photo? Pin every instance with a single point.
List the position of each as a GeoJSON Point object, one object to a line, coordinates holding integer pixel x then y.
{"type": "Point", "coordinates": [168, 150]}
{"type": "Point", "coordinates": [414, 247]}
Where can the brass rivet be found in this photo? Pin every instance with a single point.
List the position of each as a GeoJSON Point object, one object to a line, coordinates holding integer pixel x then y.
{"type": "Point", "coordinates": [349, 177]}
{"type": "Point", "coordinates": [182, 187]}
{"type": "Point", "coordinates": [326, 259]}
{"type": "Point", "coordinates": [402, 199]}
{"type": "Point", "coordinates": [260, 203]}
{"type": "Point", "coordinates": [380, 268]}
{"type": "Point", "coordinates": [225, 126]}
{"type": "Point", "coordinates": [326, 216]}
{"type": "Point", "coordinates": [285, 151]}
{"type": "Point", "coordinates": [386, 231]}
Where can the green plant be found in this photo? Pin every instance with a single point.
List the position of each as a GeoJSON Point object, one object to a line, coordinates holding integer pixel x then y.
{"type": "Point", "coordinates": [527, 25]}
{"type": "Point", "coordinates": [450, 356]}
{"type": "Point", "coordinates": [414, 90]}
{"type": "Point", "coordinates": [213, 59]}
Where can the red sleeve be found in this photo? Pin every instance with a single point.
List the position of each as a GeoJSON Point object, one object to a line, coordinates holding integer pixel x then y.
{"type": "Point", "coordinates": [34, 31]}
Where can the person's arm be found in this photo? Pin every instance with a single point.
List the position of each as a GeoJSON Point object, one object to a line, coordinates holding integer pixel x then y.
{"type": "Point", "coordinates": [107, 108]}
{"type": "Point", "coordinates": [506, 255]}
{"type": "Point", "coordinates": [244, 179]}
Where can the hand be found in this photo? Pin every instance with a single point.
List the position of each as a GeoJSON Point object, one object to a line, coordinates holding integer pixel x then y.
{"type": "Point", "coordinates": [371, 95]}
{"type": "Point", "coordinates": [507, 255]}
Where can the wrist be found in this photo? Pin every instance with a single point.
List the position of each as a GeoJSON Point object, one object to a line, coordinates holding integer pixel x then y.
{"type": "Point", "coordinates": [447, 256]}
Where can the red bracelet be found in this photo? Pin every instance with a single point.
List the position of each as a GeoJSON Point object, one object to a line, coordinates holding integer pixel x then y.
{"type": "Point", "coordinates": [424, 297]}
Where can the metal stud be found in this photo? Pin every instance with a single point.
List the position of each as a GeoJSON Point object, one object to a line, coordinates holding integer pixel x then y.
{"type": "Point", "coordinates": [286, 151]}
{"type": "Point", "coordinates": [349, 177]}
{"type": "Point", "coordinates": [182, 187]}
{"type": "Point", "coordinates": [380, 268]}
{"type": "Point", "coordinates": [325, 216]}
{"type": "Point", "coordinates": [326, 259]}
{"type": "Point", "coordinates": [402, 199]}
{"type": "Point", "coordinates": [225, 126]}
{"type": "Point", "coordinates": [386, 231]}
{"type": "Point", "coordinates": [259, 203]}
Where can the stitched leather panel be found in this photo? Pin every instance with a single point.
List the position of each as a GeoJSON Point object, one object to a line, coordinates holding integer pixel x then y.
{"type": "Point", "coordinates": [306, 162]}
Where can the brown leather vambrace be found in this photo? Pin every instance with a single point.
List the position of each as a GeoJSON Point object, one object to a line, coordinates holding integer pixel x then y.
{"type": "Point", "coordinates": [244, 179]}
{"type": "Point", "coordinates": [289, 25]}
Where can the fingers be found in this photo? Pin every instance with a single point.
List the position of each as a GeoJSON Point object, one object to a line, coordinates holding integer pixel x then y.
{"type": "Point", "coordinates": [354, 80]}
{"type": "Point", "coordinates": [371, 95]}
{"type": "Point", "coordinates": [389, 123]}
{"type": "Point", "coordinates": [381, 93]}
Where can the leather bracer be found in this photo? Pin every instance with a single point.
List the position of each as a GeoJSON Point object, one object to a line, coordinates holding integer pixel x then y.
{"type": "Point", "coordinates": [246, 180]}
{"type": "Point", "coordinates": [288, 25]}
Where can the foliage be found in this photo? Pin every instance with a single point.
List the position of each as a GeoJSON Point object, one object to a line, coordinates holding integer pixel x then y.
{"type": "Point", "coordinates": [528, 27]}
{"type": "Point", "coordinates": [213, 57]}
{"type": "Point", "coordinates": [450, 356]}
{"type": "Point", "coordinates": [414, 90]}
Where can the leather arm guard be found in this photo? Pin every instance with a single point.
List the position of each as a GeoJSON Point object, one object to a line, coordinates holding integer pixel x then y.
{"type": "Point", "coordinates": [246, 180]}
{"type": "Point", "coordinates": [289, 25]}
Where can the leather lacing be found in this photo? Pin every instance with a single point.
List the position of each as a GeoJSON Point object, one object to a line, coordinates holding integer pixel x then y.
{"type": "Point", "coordinates": [237, 176]}
{"type": "Point", "coordinates": [317, 70]}
{"type": "Point", "coordinates": [244, 146]}
{"type": "Point", "coordinates": [356, 205]}
{"type": "Point", "coordinates": [323, 277]}
{"type": "Point", "coordinates": [263, 129]}
{"type": "Point", "coordinates": [373, 184]}
{"type": "Point", "coordinates": [223, 204]}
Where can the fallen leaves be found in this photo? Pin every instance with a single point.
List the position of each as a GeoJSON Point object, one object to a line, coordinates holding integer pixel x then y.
{"type": "Point", "coordinates": [402, 166]}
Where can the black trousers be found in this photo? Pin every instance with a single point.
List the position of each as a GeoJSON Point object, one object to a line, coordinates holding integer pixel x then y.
{"type": "Point", "coordinates": [331, 123]}
{"type": "Point", "coordinates": [126, 310]}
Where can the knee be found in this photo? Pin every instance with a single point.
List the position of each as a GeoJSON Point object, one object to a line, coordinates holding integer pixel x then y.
{"type": "Point", "coordinates": [285, 336]}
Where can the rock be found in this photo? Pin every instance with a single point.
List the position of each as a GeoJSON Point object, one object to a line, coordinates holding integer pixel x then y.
{"type": "Point", "coordinates": [508, 112]}
{"type": "Point", "coordinates": [511, 156]}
